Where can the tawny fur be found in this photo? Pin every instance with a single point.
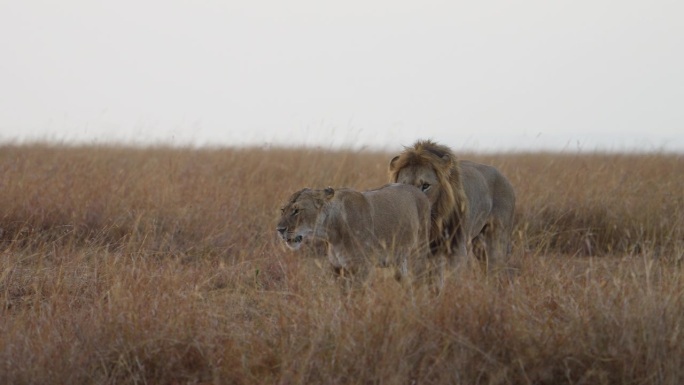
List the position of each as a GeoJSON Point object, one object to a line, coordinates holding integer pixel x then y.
{"type": "Point", "coordinates": [387, 227]}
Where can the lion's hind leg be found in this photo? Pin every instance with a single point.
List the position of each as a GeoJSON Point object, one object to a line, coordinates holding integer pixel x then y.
{"type": "Point", "coordinates": [479, 247]}
{"type": "Point", "coordinates": [494, 243]}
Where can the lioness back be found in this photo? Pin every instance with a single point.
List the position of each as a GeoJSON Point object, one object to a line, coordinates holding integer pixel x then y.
{"type": "Point", "coordinates": [400, 213]}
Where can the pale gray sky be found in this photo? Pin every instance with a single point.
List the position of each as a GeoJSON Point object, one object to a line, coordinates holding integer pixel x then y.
{"type": "Point", "coordinates": [482, 75]}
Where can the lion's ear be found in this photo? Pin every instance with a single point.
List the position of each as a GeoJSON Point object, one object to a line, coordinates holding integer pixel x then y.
{"type": "Point", "coordinates": [392, 164]}
{"type": "Point", "coordinates": [329, 192]}
{"type": "Point", "coordinates": [448, 160]}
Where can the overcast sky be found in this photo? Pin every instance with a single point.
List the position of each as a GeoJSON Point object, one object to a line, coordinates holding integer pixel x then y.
{"type": "Point", "coordinates": [482, 75]}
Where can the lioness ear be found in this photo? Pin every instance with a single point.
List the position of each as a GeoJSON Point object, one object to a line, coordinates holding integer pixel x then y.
{"type": "Point", "coordinates": [392, 164]}
{"type": "Point", "coordinates": [329, 192]}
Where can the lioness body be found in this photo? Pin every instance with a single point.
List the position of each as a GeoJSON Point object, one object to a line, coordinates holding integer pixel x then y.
{"type": "Point", "coordinates": [472, 204]}
{"type": "Point", "coordinates": [388, 226]}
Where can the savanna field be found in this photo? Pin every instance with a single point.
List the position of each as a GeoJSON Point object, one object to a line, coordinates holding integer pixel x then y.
{"type": "Point", "coordinates": [162, 266]}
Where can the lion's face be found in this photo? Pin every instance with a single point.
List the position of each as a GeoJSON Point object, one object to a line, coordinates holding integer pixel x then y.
{"type": "Point", "coordinates": [423, 177]}
{"type": "Point", "coordinates": [298, 218]}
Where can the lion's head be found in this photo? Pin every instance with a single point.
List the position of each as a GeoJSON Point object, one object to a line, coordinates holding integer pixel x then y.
{"type": "Point", "coordinates": [299, 218]}
{"type": "Point", "coordinates": [434, 169]}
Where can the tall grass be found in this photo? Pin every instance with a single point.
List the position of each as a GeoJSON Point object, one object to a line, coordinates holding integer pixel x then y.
{"type": "Point", "coordinates": [161, 266]}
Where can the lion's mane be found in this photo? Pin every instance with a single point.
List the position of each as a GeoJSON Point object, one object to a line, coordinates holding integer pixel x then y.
{"type": "Point", "coordinates": [448, 211]}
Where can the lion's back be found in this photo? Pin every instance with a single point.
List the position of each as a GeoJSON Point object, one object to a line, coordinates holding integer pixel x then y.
{"type": "Point", "coordinates": [488, 191]}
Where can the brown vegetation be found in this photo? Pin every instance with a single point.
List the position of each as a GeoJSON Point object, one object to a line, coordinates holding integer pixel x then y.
{"type": "Point", "coordinates": [162, 266]}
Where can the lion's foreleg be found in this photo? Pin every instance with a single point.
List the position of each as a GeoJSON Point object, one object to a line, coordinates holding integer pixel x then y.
{"type": "Point", "coordinates": [457, 253]}
{"type": "Point", "coordinates": [401, 269]}
{"type": "Point", "coordinates": [420, 263]}
{"type": "Point", "coordinates": [438, 268]}
{"type": "Point", "coordinates": [362, 271]}
{"type": "Point", "coordinates": [343, 278]}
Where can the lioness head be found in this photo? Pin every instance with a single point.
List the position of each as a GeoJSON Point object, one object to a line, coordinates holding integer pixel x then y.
{"type": "Point", "coordinates": [300, 215]}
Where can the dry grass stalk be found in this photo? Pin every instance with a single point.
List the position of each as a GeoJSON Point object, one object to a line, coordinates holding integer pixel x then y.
{"type": "Point", "coordinates": [162, 266]}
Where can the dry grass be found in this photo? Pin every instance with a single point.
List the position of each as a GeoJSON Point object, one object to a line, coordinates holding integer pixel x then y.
{"type": "Point", "coordinates": [161, 266]}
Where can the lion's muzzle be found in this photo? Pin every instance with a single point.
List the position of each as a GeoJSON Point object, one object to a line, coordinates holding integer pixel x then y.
{"type": "Point", "coordinates": [290, 241]}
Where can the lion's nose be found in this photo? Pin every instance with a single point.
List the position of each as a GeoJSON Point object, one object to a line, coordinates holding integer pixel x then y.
{"type": "Point", "coordinates": [281, 230]}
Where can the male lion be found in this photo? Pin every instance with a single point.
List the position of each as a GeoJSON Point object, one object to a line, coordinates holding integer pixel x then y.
{"type": "Point", "coordinates": [388, 226]}
{"type": "Point", "coordinates": [472, 204]}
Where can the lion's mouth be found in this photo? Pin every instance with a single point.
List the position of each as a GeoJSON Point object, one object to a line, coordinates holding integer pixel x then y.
{"type": "Point", "coordinates": [287, 235]}
{"type": "Point", "coordinates": [293, 243]}
{"type": "Point", "coordinates": [297, 239]}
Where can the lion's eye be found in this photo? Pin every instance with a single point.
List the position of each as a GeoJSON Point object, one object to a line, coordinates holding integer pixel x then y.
{"type": "Point", "coordinates": [295, 212]}
{"type": "Point", "coordinates": [425, 186]}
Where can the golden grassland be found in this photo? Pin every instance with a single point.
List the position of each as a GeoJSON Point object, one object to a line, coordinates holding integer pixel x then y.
{"type": "Point", "coordinates": [161, 266]}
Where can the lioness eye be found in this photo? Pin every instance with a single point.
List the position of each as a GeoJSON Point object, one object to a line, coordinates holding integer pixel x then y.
{"type": "Point", "coordinates": [295, 212]}
{"type": "Point", "coordinates": [425, 186]}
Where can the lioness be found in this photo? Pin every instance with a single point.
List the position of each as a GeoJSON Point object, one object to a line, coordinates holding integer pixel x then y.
{"type": "Point", "coordinates": [472, 204]}
{"type": "Point", "coordinates": [388, 226]}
